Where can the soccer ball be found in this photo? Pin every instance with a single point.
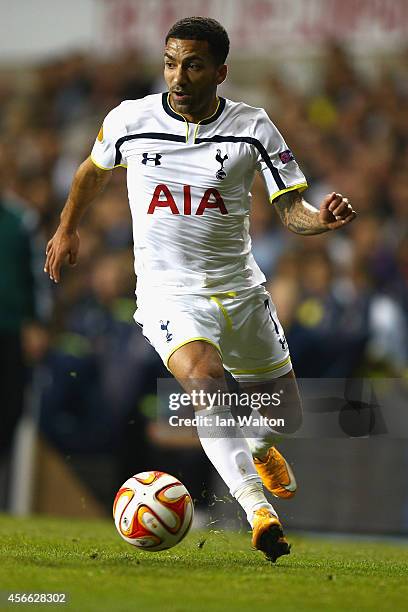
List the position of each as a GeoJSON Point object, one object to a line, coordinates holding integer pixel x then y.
{"type": "Point", "coordinates": [153, 511]}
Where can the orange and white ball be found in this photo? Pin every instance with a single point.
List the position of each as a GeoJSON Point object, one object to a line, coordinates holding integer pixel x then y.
{"type": "Point", "coordinates": [153, 511]}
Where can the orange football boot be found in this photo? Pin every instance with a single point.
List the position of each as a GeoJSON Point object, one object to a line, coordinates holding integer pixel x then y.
{"type": "Point", "coordinates": [267, 535]}
{"type": "Point", "coordinates": [276, 474]}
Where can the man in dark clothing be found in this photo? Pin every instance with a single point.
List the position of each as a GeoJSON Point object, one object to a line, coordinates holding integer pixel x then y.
{"type": "Point", "coordinates": [17, 309]}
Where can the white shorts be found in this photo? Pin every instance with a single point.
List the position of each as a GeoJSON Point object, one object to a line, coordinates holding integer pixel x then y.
{"type": "Point", "coordinates": [243, 326]}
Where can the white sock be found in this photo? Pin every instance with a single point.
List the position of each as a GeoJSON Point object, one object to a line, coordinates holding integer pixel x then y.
{"type": "Point", "coordinates": [259, 446]}
{"type": "Point", "coordinates": [260, 438]}
{"type": "Point", "coordinates": [228, 451]}
{"type": "Point", "coordinates": [251, 497]}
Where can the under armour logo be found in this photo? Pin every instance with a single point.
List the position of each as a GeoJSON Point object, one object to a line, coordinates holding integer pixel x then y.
{"type": "Point", "coordinates": [221, 174]}
{"type": "Point", "coordinates": [164, 327]}
{"type": "Point", "coordinates": [151, 160]}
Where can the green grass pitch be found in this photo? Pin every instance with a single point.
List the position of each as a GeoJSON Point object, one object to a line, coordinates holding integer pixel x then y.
{"type": "Point", "coordinates": [214, 571]}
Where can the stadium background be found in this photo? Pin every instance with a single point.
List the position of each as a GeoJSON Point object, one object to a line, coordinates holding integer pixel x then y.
{"type": "Point", "coordinates": [77, 377]}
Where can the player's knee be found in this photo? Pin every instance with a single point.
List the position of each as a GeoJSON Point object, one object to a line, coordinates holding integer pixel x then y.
{"type": "Point", "coordinates": [205, 371]}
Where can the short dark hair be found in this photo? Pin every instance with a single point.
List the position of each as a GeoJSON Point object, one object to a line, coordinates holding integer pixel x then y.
{"type": "Point", "coordinates": [203, 28]}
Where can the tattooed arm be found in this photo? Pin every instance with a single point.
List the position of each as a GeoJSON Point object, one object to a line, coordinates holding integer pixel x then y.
{"type": "Point", "coordinates": [302, 218]}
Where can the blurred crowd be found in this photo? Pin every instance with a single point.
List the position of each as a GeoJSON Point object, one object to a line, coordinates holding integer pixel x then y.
{"type": "Point", "coordinates": [342, 298]}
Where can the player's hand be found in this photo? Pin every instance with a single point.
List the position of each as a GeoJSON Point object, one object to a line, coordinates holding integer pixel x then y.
{"type": "Point", "coordinates": [63, 245]}
{"type": "Point", "coordinates": [336, 211]}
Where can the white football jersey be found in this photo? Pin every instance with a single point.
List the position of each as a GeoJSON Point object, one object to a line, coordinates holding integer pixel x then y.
{"type": "Point", "coordinates": [189, 186]}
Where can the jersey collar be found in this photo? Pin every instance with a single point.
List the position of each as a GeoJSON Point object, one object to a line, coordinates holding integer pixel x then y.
{"type": "Point", "coordinates": [167, 107]}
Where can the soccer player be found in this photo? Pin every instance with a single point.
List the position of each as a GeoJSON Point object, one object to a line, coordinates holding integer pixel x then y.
{"type": "Point", "coordinates": [191, 157]}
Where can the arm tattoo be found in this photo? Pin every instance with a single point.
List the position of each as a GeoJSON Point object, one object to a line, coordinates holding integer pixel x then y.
{"type": "Point", "coordinates": [298, 216]}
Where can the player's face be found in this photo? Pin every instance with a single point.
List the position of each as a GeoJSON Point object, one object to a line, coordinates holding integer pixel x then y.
{"type": "Point", "coordinates": [192, 76]}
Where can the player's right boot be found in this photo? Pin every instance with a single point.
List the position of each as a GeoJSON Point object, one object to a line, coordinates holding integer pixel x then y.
{"type": "Point", "coordinates": [267, 535]}
{"type": "Point", "coordinates": [276, 474]}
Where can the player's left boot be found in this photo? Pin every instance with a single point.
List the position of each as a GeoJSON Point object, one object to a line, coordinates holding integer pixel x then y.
{"type": "Point", "coordinates": [276, 474]}
{"type": "Point", "coordinates": [267, 535]}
